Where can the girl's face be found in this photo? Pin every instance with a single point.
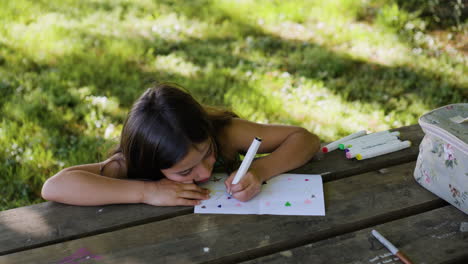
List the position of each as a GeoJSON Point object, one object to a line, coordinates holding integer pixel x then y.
{"type": "Point", "coordinates": [196, 166]}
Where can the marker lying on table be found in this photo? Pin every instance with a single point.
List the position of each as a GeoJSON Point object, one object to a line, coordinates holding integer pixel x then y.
{"type": "Point", "coordinates": [365, 136]}
{"type": "Point", "coordinates": [334, 145]}
{"type": "Point", "coordinates": [383, 149]}
{"type": "Point", "coordinates": [379, 136]}
{"type": "Point", "coordinates": [244, 167]}
{"type": "Point", "coordinates": [395, 251]}
{"type": "Point", "coordinates": [372, 142]}
{"type": "Point", "coordinates": [352, 152]}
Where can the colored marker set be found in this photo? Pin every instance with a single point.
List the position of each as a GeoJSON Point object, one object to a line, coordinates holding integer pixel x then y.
{"type": "Point", "coordinates": [361, 145]}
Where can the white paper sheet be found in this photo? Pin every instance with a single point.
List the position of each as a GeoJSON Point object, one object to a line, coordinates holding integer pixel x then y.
{"type": "Point", "coordinates": [285, 194]}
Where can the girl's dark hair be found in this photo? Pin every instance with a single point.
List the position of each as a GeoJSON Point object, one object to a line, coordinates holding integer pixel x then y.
{"type": "Point", "coordinates": [162, 126]}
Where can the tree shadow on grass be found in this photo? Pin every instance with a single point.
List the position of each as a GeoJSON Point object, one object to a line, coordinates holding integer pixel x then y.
{"type": "Point", "coordinates": [350, 78]}
{"type": "Point", "coordinates": [109, 74]}
{"type": "Point", "coordinates": [441, 14]}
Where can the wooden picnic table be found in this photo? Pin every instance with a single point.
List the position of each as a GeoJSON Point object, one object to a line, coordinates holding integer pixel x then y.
{"type": "Point", "coordinates": [378, 193]}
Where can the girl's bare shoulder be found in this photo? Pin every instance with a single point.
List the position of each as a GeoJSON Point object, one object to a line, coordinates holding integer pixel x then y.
{"type": "Point", "coordinates": [114, 167]}
{"type": "Point", "coordinates": [240, 133]}
{"type": "Point", "coordinates": [237, 134]}
{"type": "Point", "coordinates": [226, 137]}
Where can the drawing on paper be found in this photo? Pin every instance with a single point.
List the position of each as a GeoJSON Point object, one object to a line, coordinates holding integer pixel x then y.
{"type": "Point", "coordinates": [286, 194]}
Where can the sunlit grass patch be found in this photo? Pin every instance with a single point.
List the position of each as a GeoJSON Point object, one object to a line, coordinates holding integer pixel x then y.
{"type": "Point", "coordinates": [174, 64]}
{"type": "Point", "coordinates": [295, 11]}
{"type": "Point", "coordinates": [310, 103]}
{"type": "Point", "coordinates": [357, 40]}
{"type": "Point", "coordinates": [42, 40]}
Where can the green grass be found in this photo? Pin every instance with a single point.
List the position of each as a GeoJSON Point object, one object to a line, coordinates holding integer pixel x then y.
{"type": "Point", "coordinates": [70, 70]}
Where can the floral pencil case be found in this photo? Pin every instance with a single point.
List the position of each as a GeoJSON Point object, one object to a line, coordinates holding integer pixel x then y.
{"type": "Point", "coordinates": [442, 165]}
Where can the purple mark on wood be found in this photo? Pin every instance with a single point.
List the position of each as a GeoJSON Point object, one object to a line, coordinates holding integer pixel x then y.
{"type": "Point", "coordinates": [80, 255]}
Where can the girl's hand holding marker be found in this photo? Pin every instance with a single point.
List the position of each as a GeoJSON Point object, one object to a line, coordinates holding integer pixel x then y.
{"type": "Point", "coordinates": [363, 146]}
{"type": "Point", "coordinates": [251, 184]}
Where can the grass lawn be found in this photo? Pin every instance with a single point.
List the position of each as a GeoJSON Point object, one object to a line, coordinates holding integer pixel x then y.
{"type": "Point", "coordinates": [70, 70]}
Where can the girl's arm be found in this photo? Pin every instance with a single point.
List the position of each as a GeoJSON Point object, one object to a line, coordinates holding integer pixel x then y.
{"type": "Point", "coordinates": [289, 148]}
{"type": "Point", "coordinates": [83, 185]}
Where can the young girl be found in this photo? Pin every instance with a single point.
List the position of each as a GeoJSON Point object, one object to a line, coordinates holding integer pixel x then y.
{"type": "Point", "coordinates": [169, 143]}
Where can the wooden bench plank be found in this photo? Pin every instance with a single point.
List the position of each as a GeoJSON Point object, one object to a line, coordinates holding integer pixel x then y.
{"type": "Point", "coordinates": [42, 224]}
{"type": "Point", "coordinates": [436, 236]}
{"type": "Point", "coordinates": [352, 203]}
{"type": "Point", "coordinates": [47, 223]}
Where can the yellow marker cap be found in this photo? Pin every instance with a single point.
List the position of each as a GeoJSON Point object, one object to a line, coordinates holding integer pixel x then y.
{"type": "Point", "coordinates": [359, 157]}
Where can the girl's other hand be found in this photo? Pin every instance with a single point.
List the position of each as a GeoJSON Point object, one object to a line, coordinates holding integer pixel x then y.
{"type": "Point", "coordinates": [249, 186]}
{"type": "Point", "coordinates": [170, 193]}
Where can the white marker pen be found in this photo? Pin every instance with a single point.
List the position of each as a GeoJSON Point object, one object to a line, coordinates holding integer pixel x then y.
{"type": "Point", "coordinates": [395, 251]}
{"type": "Point", "coordinates": [244, 167]}
{"type": "Point", "coordinates": [334, 145]}
{"type": "Point", "coordinates": [371, 138]}
{"type": "Point", "coordinates": [383, 149]}
{"type": "Point", "coordinates": [370, 143]}
{"type": "Point", "coordinates": [352, 152]}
